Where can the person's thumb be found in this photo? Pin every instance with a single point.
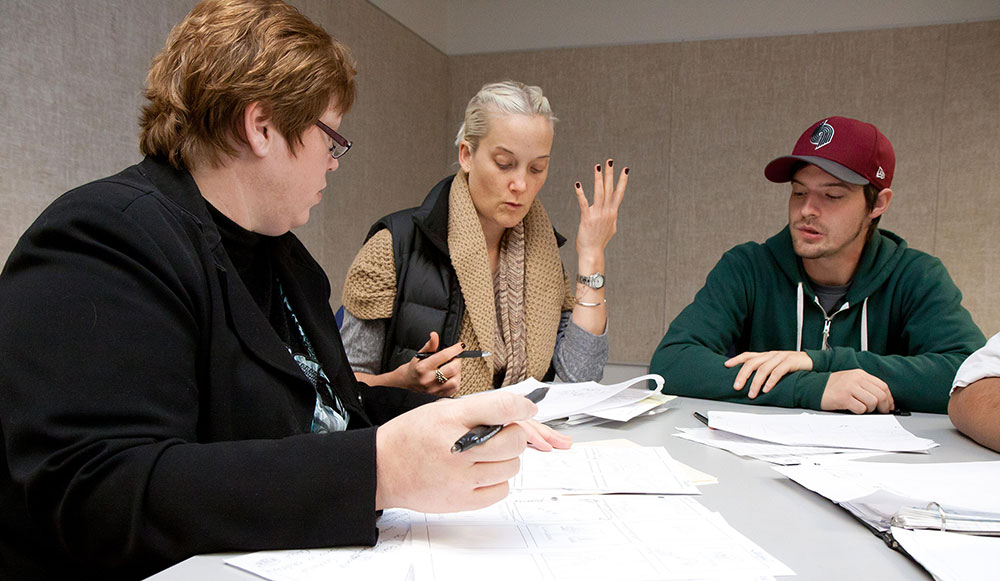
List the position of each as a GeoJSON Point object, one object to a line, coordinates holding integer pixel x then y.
{"type": "Point", "coordinates": [496, 408]}
{"type": "Point", "coordinates": [431, 345]}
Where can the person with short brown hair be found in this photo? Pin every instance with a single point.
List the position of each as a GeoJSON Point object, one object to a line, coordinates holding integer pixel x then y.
{"type": "Point", "coordinates": [173, 381]}
{"type": "Point", "coordinates": [197, 90]}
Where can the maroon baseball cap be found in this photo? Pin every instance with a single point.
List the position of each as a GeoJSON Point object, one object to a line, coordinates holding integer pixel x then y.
{"type": "Point", "coordinates": [849, 150]}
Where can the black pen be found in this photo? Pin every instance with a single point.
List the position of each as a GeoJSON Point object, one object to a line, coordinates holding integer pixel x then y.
{"type": "Point", "coordinates": [480, 434]}
{"type": "Point", "coordinates": [461, 355]}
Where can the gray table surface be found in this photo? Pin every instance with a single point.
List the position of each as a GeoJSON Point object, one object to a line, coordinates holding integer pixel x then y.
{"type": "Point", "coordinates": [814, 537]}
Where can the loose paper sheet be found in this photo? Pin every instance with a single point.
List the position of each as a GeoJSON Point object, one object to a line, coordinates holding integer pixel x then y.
{"type": "Point", "coordinates": [953, 485]}
{"type": "Point", "coordinates": [641, 401]}
{"type": "Point", "coordinates": [952, 556]}
{"type": "Point", "coordinates": [390, 558]}
{"type": "Point", "coordinates": [566, 399]}
{"type": "Point", "coordinates": [769, 451]}
{"type": "Point", "coordinates": [694, 476]}
{"type": "Point", "coordinates": [871, 432]}
{"type": "Point", "coordinates": [603, 470]}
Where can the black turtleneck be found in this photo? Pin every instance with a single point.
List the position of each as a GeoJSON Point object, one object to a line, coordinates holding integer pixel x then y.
{"type": "Point", "coordinates": [253, 257]}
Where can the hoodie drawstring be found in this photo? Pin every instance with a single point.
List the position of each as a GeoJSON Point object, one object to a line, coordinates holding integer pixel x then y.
{"type": "Point", "coordinates": [800, 301]}
{"type": "Point", "coordinates": [864, 325]}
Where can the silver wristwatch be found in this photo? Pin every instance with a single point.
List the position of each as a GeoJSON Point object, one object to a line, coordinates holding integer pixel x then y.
{"type": "Point", "coordinates": [594, 281]}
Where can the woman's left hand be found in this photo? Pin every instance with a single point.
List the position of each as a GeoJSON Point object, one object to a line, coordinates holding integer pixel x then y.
{"type": "Point", "coordinates": [599, 222]}
{"type": "Point", "coordinates": [544, 438]}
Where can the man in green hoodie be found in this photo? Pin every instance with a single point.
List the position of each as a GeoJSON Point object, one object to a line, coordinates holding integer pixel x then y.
{"type": "Point", "coordinates": [831, 313]}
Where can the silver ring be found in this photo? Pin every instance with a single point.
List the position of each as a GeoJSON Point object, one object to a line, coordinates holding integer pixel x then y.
{"type": "Point", "coordinates": [440, 377]}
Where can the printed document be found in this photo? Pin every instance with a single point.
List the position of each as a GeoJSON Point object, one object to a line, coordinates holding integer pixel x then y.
{"type": "Point", "coordinates": [874, 491]}
{"type": "Point", "coordinates": [547, 530]}
{"type": "Point", "coordinates": [586, 537]}
{"type": "Point", "coordinates": [624, 406]}
{"type": "Point", "coordinates": [390, 558]}
{"type": "Point", "coordinates": [951, 556]}
{"type": "Point", "coordinates": [769, 451]}
{"type": "Point", "coordinates": [870, 432]}
{"type": "Point", "coordinates": [566, 399]}
{"type": "Point", "coordinates": [602, 470]}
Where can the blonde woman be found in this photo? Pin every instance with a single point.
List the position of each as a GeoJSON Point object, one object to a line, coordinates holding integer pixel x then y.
{"type": "Point", "coordinates": [477, 267]}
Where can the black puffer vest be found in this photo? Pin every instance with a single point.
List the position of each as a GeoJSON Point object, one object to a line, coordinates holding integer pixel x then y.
{"type": "Point", "coordinates": [428, 297]}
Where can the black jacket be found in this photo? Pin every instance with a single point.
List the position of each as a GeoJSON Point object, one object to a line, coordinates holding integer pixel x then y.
{"type": "Point", "coordinates": [148, 410]}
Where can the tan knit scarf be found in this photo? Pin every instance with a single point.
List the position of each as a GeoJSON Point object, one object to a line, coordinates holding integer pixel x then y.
{"type": "Point", "coordinates": [543, 287]}
{"type": "Point", "coordinates": [510, 351]}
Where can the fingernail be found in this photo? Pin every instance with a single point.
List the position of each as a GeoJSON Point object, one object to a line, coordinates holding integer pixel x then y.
{"type": "Point", "coordinates": [611, 162]}
{"type": "Point", "coordinates": [626, 171]}
{"type": "Point", "coordinates": [463, 344]}
{"type": "Point", "coordinates": [578, 185]}
{"type": "Point", "coordinates": [597, 167]}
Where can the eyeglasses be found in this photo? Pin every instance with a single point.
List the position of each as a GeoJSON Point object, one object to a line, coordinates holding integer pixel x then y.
{"type": "Point", "coordinates": [340, 144]}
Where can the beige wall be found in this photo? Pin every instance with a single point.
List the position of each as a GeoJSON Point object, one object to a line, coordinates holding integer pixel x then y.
{"type": "Point", "coordinates": [695, 121]}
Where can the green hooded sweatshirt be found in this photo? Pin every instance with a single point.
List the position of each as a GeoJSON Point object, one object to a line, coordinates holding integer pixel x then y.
{"type": "Point", "coordinates": [902, 321]}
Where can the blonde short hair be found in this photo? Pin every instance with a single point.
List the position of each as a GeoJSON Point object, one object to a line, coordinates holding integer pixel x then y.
{"type": "Point", "coordinates": [227, 54]}
{"type": "Point", "coordinates": [505, 98]}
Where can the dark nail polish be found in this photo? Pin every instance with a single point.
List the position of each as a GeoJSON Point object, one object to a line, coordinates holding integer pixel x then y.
{"type": "Point", "coordinates": [626, 171]}
{"type": "Point", "coordinates": [597, 167]}
{"type": "Point", "coordinates": [611, 163]}
{"type": "Point", "coordinates": [577, 184]}
{"type": "Point", "coordinates": [463, 344]}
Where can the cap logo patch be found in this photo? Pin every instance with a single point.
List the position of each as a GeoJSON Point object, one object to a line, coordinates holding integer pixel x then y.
{"type": "Point", "coordinates": [880, 174]}
{"type": "Point", "coordinates": [823, 135]}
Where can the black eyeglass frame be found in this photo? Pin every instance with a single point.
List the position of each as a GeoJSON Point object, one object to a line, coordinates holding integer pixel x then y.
{"type": "Point", "coordinates": [341, 144]}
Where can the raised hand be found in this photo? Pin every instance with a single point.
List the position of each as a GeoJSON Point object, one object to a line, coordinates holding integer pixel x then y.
{"type": "Point", "coordinates": [599, 221]}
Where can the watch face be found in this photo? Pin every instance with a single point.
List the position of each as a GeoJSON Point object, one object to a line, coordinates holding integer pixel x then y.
{"type": "Point", "coordinates": [594, 281]}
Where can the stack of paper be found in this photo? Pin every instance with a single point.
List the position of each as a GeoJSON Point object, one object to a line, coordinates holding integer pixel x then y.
{"type": "Point", "coordinates": [547, 529]}
{"type": "Point", "coordinates": [587, 537]}
{"type": "Point", "coordinates": [936, 518]}
{"type": "Point", "coordinates": [769, 451]}
{"type": "Point", "coordinates": [869, 432]}
{"type": "Point", "coordinates": [580, 401]}
{"type": "Point", "coordinates": [622, 407]}
{"type": "Point", "coordinates": [874, 492]}
{"type": "Point", "coordinates": [797, 438]}
{"type": "Point", "coordinates": [884, 495]}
